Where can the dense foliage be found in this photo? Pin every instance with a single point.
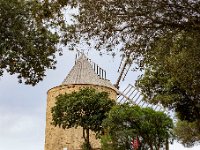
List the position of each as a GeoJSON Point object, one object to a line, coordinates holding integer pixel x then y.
{"type": "Point", "coordinates": [133, 24]}
{"type": "Point", "coordinates": [28, 45]}
{"type": "Point", "coordinates": [188, 133]}
{"type": "Point", "coordinates": [86, 108]}
{"type": "Point", "coordinates": [125, 123]}
{"type": "Point", "coordinates": [172, 77]}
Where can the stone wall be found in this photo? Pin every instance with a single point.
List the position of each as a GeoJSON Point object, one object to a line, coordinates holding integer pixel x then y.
{"type": "Point", "coordinates": [57, 138]}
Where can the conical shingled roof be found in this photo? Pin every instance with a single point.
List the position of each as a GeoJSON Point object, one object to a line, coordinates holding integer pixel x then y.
{"type": "Point", "coordinates": [83, 73]}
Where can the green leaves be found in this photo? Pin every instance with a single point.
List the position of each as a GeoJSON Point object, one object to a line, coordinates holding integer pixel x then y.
{"type": "Point", "coordinates": [28, 46]}
{"type": "Point", "coordinates": [172, 76]}
{"type": "Point", "coordinates": [132, 25]}
{"type": "Point", "coordinates": [126, 122]}
{"type": "Point", "coordinates": [172, 79]}
{"type": "Point", "coordinates": [188, 133]}
{"type": "Point", "coordinates": [86, 108]}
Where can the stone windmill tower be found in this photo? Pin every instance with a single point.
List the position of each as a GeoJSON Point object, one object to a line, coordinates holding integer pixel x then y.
{"type": "Point", "coordinates": [86, 73]}
{"type": "Point", "coordinates": [83, 74]}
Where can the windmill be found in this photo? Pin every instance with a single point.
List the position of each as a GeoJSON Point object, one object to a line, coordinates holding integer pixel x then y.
{"type": "Point", "coordinates": [86, 73]}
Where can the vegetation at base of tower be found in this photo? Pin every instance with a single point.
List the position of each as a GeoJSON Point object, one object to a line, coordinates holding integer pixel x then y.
{"type": "Point", "coordinates": [28, 45]}
{"type": "Point", "coordinates": [126, 123]}
{"type": "Point", "coordinates": [188, 133]}
{"type": "Point", "coordinates": [86, 108]}
{"type": "Point", "coordinates": [86, 146]}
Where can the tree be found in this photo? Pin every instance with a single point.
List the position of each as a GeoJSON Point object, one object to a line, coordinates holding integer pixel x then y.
{"type": "Point", "coordinates": [86, 108]}
{"type": "Point", "coordinates": [132, 24]}
{"type": "Point", "coordinates": [28, 45]}
{"type": "Point", "coordinates": [172, 77]}
{"type": "Point", "coordinates": [125, 123]}
{"type": "Point", "coordinates": [187, 133]}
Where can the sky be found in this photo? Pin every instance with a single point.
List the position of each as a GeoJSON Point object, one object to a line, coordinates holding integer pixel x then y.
{"type": "Point", "coordinates": [23, 107]}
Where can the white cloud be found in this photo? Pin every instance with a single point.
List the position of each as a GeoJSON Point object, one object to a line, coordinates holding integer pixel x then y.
{"type": "Point", "coordinates": [21, 132]}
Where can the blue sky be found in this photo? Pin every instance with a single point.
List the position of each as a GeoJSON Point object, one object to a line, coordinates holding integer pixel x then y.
{"type": "Point", "coordinates": [23, 107]}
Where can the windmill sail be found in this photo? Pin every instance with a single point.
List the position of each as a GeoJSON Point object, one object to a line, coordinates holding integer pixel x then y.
{"type": "Point", "coordinates": [123, 69]}
{"type": "Point", "coordinates": [132, 95]}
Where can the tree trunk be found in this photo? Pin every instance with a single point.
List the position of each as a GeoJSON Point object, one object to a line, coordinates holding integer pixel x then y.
{"type": "Point", "coordinates": [151, 147]}
{"type": "Point", "coordinates": [84, 134]}
{"type": "Point", "coordinates": [167, 144]}
{"type": "Point", "coordinates": [88, 136]}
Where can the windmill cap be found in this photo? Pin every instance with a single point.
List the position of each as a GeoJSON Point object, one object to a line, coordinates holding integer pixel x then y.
{"type": "Point", "coordinates": [83, 73]}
